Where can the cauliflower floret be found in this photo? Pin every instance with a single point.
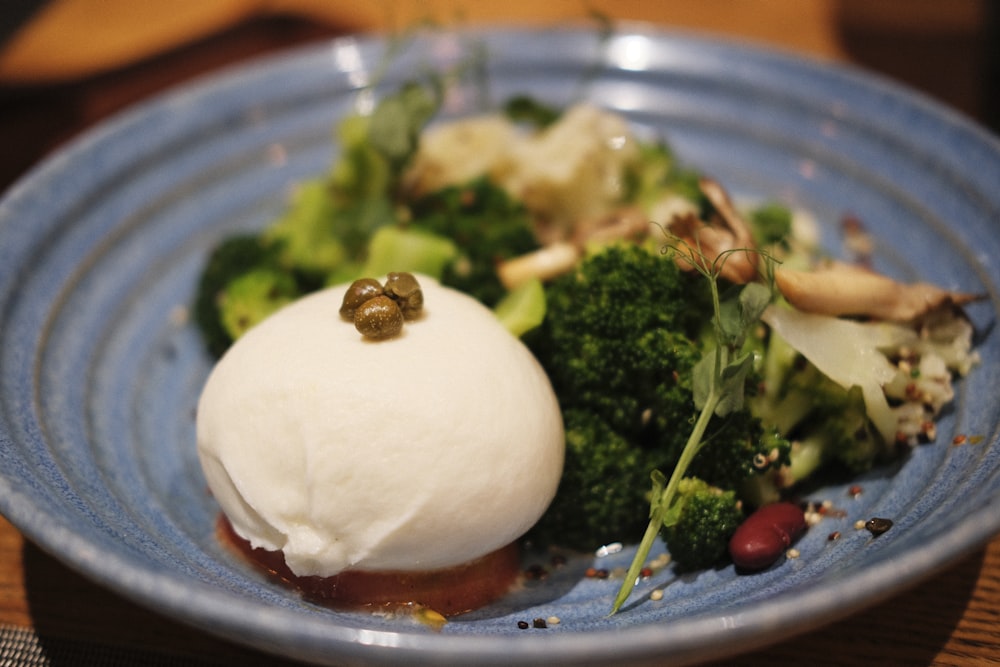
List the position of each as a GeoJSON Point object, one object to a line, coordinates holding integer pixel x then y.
{"type": "Point", "coordinates": [458, 152]}
{"type": "Point", "coordinates": [574, 169]}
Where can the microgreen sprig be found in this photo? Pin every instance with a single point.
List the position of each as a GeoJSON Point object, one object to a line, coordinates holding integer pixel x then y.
{"type": "Point", "coordinates": [718, 387]}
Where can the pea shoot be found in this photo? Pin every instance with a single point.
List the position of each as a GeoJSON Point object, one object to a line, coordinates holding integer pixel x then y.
{"type": "Point", "coordinates": [718, 381]}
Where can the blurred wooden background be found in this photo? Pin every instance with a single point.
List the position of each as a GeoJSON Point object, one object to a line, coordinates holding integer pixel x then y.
{"type": "Point", "coordinates": [64, 64]}
{"type": "Point", "coordinates": [67, 64]}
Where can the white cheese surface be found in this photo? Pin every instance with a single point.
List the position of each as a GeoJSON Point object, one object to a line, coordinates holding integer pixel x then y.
{"type": "Point", "coordinates": [419, 452]}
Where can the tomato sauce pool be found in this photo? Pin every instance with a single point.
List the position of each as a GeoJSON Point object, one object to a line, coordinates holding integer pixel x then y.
{"type": "Point", "coordinates": [448, 591]}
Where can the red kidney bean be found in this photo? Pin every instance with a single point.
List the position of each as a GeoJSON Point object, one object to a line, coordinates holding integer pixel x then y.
{"type": "Point", "coordinates": [765, 535]}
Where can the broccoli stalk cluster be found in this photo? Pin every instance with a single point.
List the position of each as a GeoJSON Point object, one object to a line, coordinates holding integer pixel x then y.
{"type": "Point", "coordinates": [621, 337]}
{"type": "Point", "coordinates": [829, 426]}
{"type": "Point", "coordinates": [854, 394]}
{"type": "Point", "coordinates": [358, 220]}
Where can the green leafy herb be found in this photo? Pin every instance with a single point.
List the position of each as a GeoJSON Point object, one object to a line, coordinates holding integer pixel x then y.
{"type": "Point", "coordinates": [525, 109]}
{"type": "Point", "coordinates": [398, 120]}
{"type": "Point", "coordinates": [718, 381]}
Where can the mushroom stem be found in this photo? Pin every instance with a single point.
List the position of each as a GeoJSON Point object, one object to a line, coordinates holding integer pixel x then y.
{"type": "Point", "coordinates": [713, 248]}
{"type": "Point", "coordinates": [544, 264]}
{"type": "Point", "coordinates": [724, 206]}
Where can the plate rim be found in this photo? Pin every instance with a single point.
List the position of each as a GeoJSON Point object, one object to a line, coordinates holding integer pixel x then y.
{"type": "Point", "coordinates": [644, 641]}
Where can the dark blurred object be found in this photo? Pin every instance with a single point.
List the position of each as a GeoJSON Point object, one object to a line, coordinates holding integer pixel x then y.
{"type": "Point", "coordinates": [947, 49]}
{"type": "Point", "coordinates": [35, 119]}
{"type": "Point", "coordinates": [991, 80]}
{"type": "Point", "coordinates": [14, 14]}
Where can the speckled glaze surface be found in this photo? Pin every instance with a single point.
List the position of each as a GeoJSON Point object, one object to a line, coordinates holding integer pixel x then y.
{"type": "Point", "coordinates": [100, 369]}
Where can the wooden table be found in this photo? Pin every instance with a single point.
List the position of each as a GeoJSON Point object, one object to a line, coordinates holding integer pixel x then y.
{"type": "Point", "coordinates": [951, 619]}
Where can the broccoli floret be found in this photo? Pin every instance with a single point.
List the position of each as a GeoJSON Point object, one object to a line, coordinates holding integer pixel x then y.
{"type": "Point", "coordinates": [618, 340]}
{"type": "Point", "coordinates": [699, 523]}
{"type": "Point", "coordinates": [657, 172]}
{"type": "Point", "coordinates": [486, 225]}
{"type": "Point", "coordinates": [613, 343]}
{"type": "Point", "coordinates": [252, 296]}
{"type": "Point", "coordinates": [323, 236]}
{"type": "Point", "coordinates": [602, 495]}
{"type": "Point", "coordinates": [307, 238]}
{"type": "Point", "coordinates": [837, 425]}
{"type": "Point", "coordinates": [330, 220]}
{"type": "Point", "coordinates": [740, 449]}
{"type": "Point", "coordinates": [633, 285]}
{"type": "Point", "coordinates": [836, 433]}
{"type": "Point", "coordinates": [850, 436]}
{"type": "Point", "coordinates": [640, 387]}
{"type": "Point", "coordinates": [232, 258]}
{"type": "Point", "coordinates": [827, 425]}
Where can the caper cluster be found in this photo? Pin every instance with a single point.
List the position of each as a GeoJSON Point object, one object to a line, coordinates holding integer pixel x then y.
{"type": "Point", "coordinates": [377, 310]}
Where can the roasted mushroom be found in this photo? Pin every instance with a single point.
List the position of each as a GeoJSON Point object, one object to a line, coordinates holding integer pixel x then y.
{"type": "Point", "coordinates": [844, 289]}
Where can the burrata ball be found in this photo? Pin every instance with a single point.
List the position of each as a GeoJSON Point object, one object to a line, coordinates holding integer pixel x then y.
{"type": "Point", "coordinates": [423, 451]}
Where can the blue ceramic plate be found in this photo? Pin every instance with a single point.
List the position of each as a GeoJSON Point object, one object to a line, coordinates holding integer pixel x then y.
{"type": "Point", "coordinates": [100, 367]}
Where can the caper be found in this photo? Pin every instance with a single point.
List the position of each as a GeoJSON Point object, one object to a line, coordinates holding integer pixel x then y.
{"type": "Point", "coordinates": [404, 288]}
{"type": "Point", "coordinates": [378, 318]}
{"type": "Point", "coordinates": [360, 291]}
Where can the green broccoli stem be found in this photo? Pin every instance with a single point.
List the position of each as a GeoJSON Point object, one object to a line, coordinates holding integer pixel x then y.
{"type": "Point", "coordinates": [807, 456]}
{"type": "Point", "coordinates": [660, 506]}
